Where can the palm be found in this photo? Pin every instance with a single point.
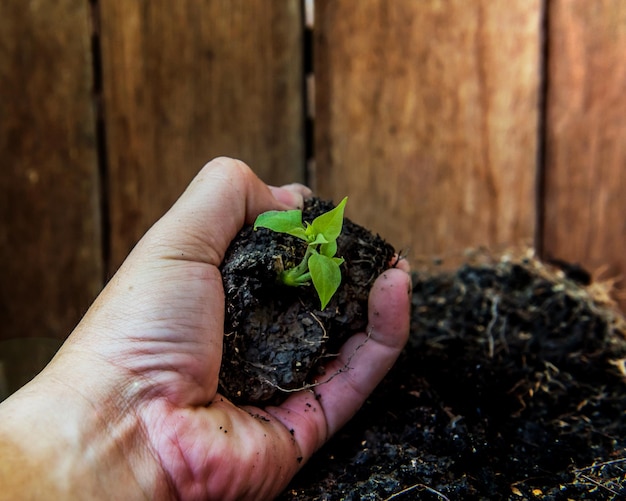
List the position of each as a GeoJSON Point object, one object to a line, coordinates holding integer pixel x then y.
{"type": "Point", "coordinates": [179, 352]}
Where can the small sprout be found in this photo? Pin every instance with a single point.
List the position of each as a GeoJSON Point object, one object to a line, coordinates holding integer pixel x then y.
{"type": "Point", "coordinates": [319, 264]}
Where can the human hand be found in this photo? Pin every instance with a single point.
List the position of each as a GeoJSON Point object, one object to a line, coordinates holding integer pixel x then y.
{"type": "Point", "coordinates": [129, 407]}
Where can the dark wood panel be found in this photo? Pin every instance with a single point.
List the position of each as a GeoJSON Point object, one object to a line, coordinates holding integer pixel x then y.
{"type": "Point", "coordinates": [50, 253]}
{"type": "Point", "coordinates": [189, 80]}
{"type": "Point", "coordinates": [427, 118]}
{"type": "Point", "coordinates": [585, 186]}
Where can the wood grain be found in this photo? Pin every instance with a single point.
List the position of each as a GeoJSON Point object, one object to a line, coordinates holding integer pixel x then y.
{"type": "Point", "coordinates": [585, 179]}
{"type": "Point", "coordinates": [50, 255]}
{"type": "Point", "coordinates": [190, 80]}
{"type": "Point", "coordinates": [427, 118]}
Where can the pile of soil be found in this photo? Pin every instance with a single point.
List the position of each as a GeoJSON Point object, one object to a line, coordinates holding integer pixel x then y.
{"type": "Point", "coordinates": [512, 386]}
{"type": "Point", "coordinates": [275, 334]}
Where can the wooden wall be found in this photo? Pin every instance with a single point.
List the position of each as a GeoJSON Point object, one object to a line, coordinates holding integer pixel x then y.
{"type": "Point", "coordinates": [427, 116]}
{"type": "Point", "coordinates": [584, 216]}
{"type": "Point", "coordinates": [50, 218]}
{"type": "Point", "coordinates": [189, 80]}
{"type": "Point", "coordinates": [448, 124]}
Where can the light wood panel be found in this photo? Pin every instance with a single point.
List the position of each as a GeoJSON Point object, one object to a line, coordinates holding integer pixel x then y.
{"type": "Point", "coordinates": [189, 80]}
{"type": "Point", "coordinates": [50, 254]}
{"type": "Point", "coordinates": [426, 117]}
{"type": "Point", "coordinates": [585, 183]}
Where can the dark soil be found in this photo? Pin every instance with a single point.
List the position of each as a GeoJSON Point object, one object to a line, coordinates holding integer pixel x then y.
{"type": "Point", "coordinates": [512, 387]}
{"type": "Point", "coordinates": [276, 334]}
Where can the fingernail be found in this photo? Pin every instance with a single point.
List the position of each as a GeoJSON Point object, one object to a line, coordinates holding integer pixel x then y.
{"type": "Point", "coordinates": [288, 197]}
{"type": "Point", "coordinates": [304, 190]}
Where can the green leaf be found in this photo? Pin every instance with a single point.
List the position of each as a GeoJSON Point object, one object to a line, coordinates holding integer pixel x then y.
{"type": "Point", "coordinates": [288, 221]}
{"type": "Point", "coordinates": [326, 276]}
{"type": "Point", "coordinates": [330, 223]}
{"type": "Point", "coordinates": [319, 240]}
{"type": "Point", "coordinates": [329, 249]}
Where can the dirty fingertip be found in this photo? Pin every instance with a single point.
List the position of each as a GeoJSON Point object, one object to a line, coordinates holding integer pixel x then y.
{"type": "Point", "coordinates": [400, 262]}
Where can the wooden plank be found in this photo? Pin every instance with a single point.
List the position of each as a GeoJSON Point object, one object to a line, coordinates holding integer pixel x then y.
{"type": "Point", "coordinates": [190, 80]}
{"type": "Point", "coordinates": [585, 178]}
{"type": "Point", "coordinates": [50, 255]}
{"type": "Point", "coordinates": [427, 118]}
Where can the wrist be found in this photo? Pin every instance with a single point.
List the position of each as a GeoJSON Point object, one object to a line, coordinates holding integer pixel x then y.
{"type": "Point", "coordinates": [56, 443]}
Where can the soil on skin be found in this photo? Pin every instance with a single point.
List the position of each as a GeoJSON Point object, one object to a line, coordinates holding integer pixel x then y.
{"type": "Point", "coordinates": [275, 334]}
{"type": "Point", "coordinates": [512, 387]}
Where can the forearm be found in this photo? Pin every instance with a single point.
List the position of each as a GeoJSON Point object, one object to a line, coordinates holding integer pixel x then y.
{"type": "Point", "coordinates": [55, 445]}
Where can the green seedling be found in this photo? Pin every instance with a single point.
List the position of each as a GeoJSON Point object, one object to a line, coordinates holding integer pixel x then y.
{"type": "Point", "coordinates": [319, 264]}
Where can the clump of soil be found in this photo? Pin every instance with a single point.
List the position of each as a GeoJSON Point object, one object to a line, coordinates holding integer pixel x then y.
{"type": "Point", "coordinates": [512, 386]}
{"type": "Point", "coordinates": [275, 334]}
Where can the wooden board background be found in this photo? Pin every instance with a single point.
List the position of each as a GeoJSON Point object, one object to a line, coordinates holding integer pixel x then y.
{"type": "Point", "coordinates": [428, 119]}
{"type": "Point", "coordinates": [50, 233]}
{"type": "Point", "coordinates": [585, 185]}
{"type": "Point", "coordinates": [449, 124]}
{"type": "Point", "coordinates": [190, 80]}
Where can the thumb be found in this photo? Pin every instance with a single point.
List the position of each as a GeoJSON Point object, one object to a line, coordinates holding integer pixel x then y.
{"type": "Point", "coordinates": [223, 196]}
